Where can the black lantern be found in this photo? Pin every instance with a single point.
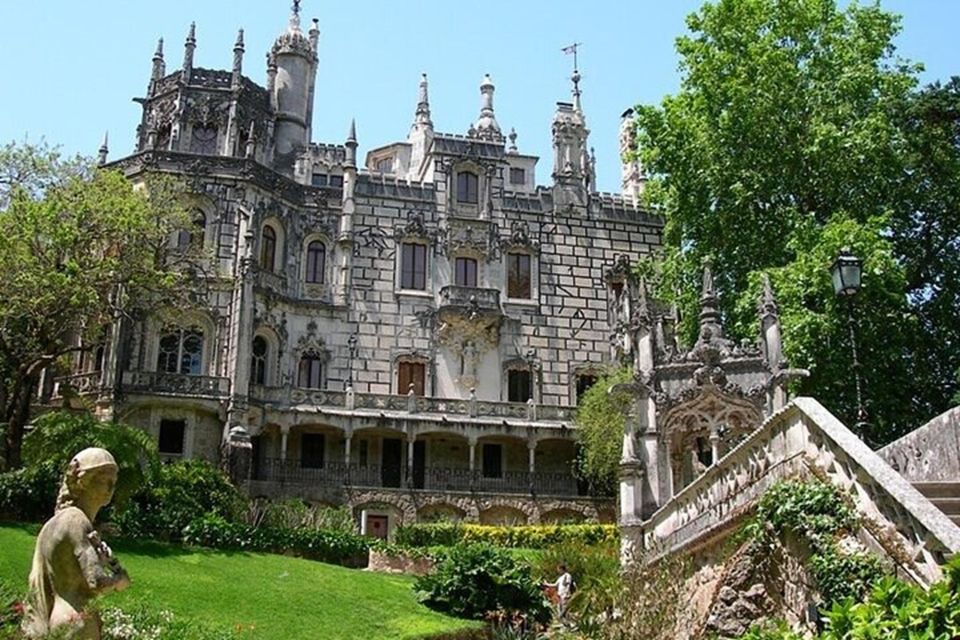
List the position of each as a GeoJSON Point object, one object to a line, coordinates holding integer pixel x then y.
{"type": "Point", "coordinates": [352, 349]}
{"type": "Point", "coordinates": [846, 272]}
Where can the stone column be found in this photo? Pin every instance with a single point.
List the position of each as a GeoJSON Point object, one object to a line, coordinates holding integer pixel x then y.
{"type": "Point", "coordinates": [714, 444]}
{"type": "Point", "coordinates": [348, 438]}
{"type": "Point", "coordinates": [284, 437]}
{"type": "Point", "coordinates": [531, 462]}
{"type": "Point", "coordinates": [472, 445]}
{"type": "Point", "coordinates": [631, 491]}
{"type": "Point", "coordinates": [411, 439]}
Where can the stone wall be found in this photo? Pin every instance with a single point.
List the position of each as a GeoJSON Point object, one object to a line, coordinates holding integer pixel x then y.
{"type": "Point", "coordinates": [929, 454]}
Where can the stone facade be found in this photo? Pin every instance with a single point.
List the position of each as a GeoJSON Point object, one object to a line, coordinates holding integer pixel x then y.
{"type": "Point", "coordinates": [406, 334]}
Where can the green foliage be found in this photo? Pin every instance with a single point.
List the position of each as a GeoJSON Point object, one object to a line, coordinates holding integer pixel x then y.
{"type": "Point", "coordinates": [817, 513]}
{"type": "Point", "coordinates": [180, 493]}
{"type": "Point", "coordinates": [600, 419]}
{"type": "Point", "coordinates": [29, 494]}
{"type": "Point", "coordinates": [11, 610]}
{"type": "Point", "coordinates": [294, 513]}
{"type": "Point", "coordinates": [57, 436]}
{"type": "Point", "coordinates": [518, 537]}
{"type": "Point", "coordinates": [475, 579]}
{"type": "Point", "coordinates": [79, 247]}
{"type": "Point", "coordinates": [143, 621]}
{"type": "Point", "coordinates": [795, 132]}
{"type": "Point", "coordinates": [595, 568]}
{"type": "Point", "coordinates": [326, 545]}
{"type": "Point", "coordinates": [770, 630]}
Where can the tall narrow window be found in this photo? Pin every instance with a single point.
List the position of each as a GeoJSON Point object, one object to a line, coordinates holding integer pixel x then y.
{"type": "Point", "coordinates": [310, 374]}
{"type": "Point", "coordinates": [171, 437]}
{"type": "Point", "coordinates": [316, 261]}
{"type": "Point", "coordinates": [411, 375]}
{"type": "Point", "coordinates": [518, 275]}
{"type": "Point", "coordinates": [519, 387]}
{"type": "Point", "coordinates": [493, 461]}
{"type": "Point", "coordinates": [467, 187]}
{"type": "Point", "coordinates": [312, 446]}
{"type": "Point", "coordinates": [204, 139]}
{"type": "Point", "coordinates": [258, 361]}
{"type": "Point", "coordinates": [181, 351]}
{"type": "Point", "coordinates": [413, 266]}
{"type": "Point", "coordinates": [584, 382]}
{"type": "Point", "coordinates": [268, 248]}
{"type": "Point", "coordinates": [465, 272]}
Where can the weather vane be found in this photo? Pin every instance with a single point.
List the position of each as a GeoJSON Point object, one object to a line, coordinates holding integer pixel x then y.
{"type": "Point", "coordinates": [573, 49]}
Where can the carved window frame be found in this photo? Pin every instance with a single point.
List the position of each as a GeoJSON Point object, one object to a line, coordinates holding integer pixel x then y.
{"type": "Point", "coordinates": [416, 359]}
{"type": "Point", "coordinates": [466, 209]}
{"type": "Point", "coordinates": [316, 290]}
{"type": "Point", "coordinates": [519, 364]}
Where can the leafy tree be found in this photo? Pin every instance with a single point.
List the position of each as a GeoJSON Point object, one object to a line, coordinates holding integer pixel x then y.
{"type": "Point", "coordinates": [57, 436]}
{"type": "Point", "coordinates": [788, 140]}
{"type": "Point", "coordinates": [600, 419]}
{"type": "Point", "coordinates": [80, 248]}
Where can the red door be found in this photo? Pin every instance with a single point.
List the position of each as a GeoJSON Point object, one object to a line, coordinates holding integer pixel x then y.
{"type": "Point", "coordinates": [377, 526]}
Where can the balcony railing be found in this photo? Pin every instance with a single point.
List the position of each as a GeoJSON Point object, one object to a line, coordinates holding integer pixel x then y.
{"type": "Point", "coordinates": [288, 396]}
{"type": "Point", "coordinates": [428, 479]}
{"type": "Point", "coordinates": [176, 383]}
{"type": "Point", "coordinates": [79, 384]}
{"type": "Point", "coordinates": [470, 297]}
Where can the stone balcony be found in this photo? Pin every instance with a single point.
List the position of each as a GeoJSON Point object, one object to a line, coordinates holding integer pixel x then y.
{"type": "Point", "coordinates": [155, 382]}
{"type": "Point", "coordinates": [471, 302]}
{"type": "Point", "coordinates": [291, 397]}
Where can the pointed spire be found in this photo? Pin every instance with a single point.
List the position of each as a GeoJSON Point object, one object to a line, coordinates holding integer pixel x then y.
{"type": "Point", "coordinates": [188, 48]}
{"type": "Point", "coordinates": [513, 141]}
{"type": "Point", "coordinates": [575, 78]}
{"type": "Point", "coordinates": [295, 15]}
{"type": "Point", "coordinates": [238, 50]}
{"type": "Point", "coordinates": [314, 34]}
{"type": "Point", "coordinates": [709, 305]}
{"type": "Point", "coordinates": [422, 115]}
{"type": "Point", "coordinates": [486, 126]}
{"type": "Point", "coordinates": [159, 67]}
{"type": "Point", "coordinates": [104, 150]}
{"type": "Point", "coordinates": [768, 303]}
{"type": "Point", "coordinates": [350, 158]}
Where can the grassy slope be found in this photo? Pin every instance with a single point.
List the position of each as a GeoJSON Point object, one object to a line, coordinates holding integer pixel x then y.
{"type": "Point", "coordinates": [274, 596]}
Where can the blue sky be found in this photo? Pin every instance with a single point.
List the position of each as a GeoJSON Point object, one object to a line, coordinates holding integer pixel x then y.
{"type": "Point", "coordinates": [70, 68]}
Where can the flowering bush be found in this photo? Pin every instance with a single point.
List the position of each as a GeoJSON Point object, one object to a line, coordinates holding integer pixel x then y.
{"type": "Point", "coordinates": [523, 537]}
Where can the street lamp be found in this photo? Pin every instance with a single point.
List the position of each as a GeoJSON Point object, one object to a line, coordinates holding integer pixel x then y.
{"type": "Point", "coordinates": [846, 273]}
{"type": "Point", "coordinates": [352, 347]}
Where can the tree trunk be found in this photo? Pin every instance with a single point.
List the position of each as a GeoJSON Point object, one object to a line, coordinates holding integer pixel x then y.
{"type": "Point", "coordinates": [17, 417]}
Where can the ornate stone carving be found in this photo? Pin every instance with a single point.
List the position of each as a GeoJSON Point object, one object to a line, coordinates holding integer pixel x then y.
{"type": "Point", "coordinates": [520, 238]}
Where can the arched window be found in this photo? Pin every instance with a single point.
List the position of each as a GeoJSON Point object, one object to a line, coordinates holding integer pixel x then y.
{"type": "Point", "coordinates": [258, 361]}
{"type": "Point", "coordinates": [181, 351]}
{"type": "Point", "coordinates": [310, 373]}
{"type": "Point", "coordinates": [268, 248]}
{"type": "Point", "coordinates": [204, 139]}
{"type": "Point", "coordinates": [316, 262]}
{"type": "Point", "coordinates": [467, 187]}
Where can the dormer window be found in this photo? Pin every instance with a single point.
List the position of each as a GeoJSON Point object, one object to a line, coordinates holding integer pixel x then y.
{"type": "Point", "coordinates": [517, 175]}
{"type": "Point", "coordinates": [468, 187]}
{"type": "Point", "coordinates": [385, 165]}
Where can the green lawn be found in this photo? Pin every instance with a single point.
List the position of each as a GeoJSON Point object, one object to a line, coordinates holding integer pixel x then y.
{"type": "Point", "coordinates": [275, 596]}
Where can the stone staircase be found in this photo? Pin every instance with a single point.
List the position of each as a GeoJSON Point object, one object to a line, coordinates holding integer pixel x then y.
{"type": "Point", "coordinates": [944, 495]}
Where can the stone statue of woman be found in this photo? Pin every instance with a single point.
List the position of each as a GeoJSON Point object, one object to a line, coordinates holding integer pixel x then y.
{"type": "Point", "coordinates": [71, 564]}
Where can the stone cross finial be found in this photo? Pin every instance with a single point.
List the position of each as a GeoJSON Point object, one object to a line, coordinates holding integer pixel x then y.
{"type": "Point", "coordinates": [422, 115]}
{"type": "Point", "coordinates": [104, 150]}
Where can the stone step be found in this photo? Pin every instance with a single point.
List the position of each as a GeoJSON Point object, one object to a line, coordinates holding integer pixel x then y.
{"type": "Point", "coordinates": [950, 506]}
{"type": "Point", "coordinates": [934, 490]}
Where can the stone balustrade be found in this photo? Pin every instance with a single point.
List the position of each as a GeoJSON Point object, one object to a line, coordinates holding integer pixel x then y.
{"type": "Point", "coordinates": [470, 297]}
{"type": "Point", "coordinates": [804, 439]}
{"type": "Point", "coordinates": [79, 384]}
{"type": "Point", "coordinates": [292, 396]}
{"type": "Point", "coordinates": [156, 382]}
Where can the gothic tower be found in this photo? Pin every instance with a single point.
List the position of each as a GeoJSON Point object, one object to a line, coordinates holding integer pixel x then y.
{"type": "Point", "coordinates": [293, 65]}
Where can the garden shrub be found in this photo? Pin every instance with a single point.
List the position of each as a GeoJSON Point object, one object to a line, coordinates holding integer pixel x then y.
{"type": "Point", "coordinates": [326, 545]}
{"type": "Point", "coordinates": [294, 513]}
{"type": "Point", "coordinates": [595, 569]}
{"type": "Point", "coordinates": [818, 513]}
{"type": "Point", "coordinates": [30, 493]}
{"type": "Point", "coordinates": [180, 493]}
{"type": "Point", "coordinates": [475, 579]}
{"type": "Point", "coordinates": [58, 436]}
{"type": "Point", "coordinates": [525, 536]}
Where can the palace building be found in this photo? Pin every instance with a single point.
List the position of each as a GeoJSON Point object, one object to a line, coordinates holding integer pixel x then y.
{"type": "Point", "coordinates": [407, 335]}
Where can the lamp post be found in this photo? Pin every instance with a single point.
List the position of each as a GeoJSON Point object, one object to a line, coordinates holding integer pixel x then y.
{"type": "Point", "coordinates": [352, 347]}
{"type": "Point", "coordinates": [846, 273]}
